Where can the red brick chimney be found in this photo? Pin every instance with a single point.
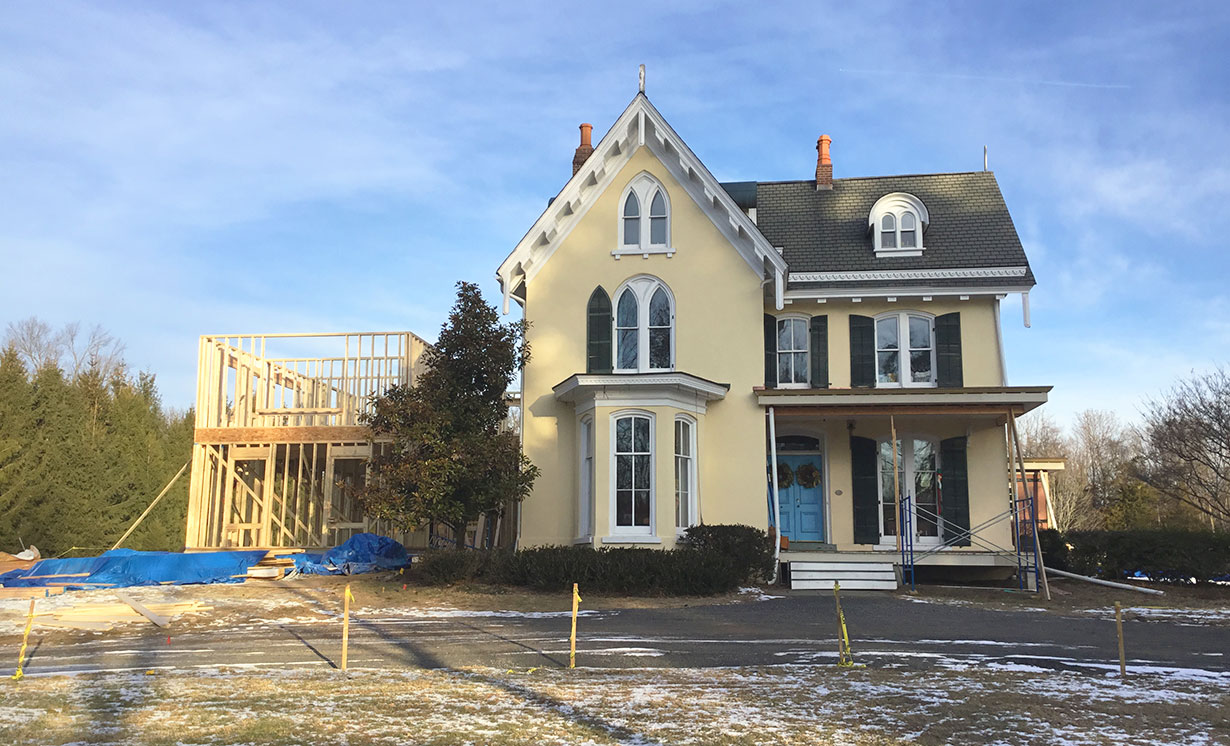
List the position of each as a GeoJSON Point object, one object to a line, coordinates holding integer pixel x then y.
{"type": "Point", "coordinates": [824, 164]}
{"type": "Point", "coordinates": [584, 150]}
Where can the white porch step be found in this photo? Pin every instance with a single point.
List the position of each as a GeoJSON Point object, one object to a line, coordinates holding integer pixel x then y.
{"type": "Point", "coordinates": [846, 585]}
{"type": "Point", "coordinates": [854, 576]}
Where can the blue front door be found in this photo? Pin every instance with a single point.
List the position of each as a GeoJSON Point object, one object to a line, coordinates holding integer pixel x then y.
{"type": "Point", "coordinates": [800, 492]}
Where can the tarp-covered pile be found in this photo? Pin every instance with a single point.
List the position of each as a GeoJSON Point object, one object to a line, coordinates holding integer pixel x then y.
{"type": "Point", "coordinates": [361, 553]}
{"type": "Point", "coordinates": [120, 568]}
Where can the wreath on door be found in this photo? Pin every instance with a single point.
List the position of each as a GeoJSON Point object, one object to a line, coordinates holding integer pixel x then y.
{"type": "Point", "coordinates": [785, 475]}
{"type": "Point", "coordinates": [809, 476]}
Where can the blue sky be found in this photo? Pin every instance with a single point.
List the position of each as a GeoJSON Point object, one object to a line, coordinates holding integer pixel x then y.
{"type": "Point", "coordinates": [173, 169]}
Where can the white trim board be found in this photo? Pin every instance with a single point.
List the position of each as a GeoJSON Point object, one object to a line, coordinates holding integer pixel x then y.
{"type": "Point", "coordinates": [640, 125]}
{"type": "Point", "coordinates": [899, 291]}
{"type": "Point", "coordinates": [890, 275]}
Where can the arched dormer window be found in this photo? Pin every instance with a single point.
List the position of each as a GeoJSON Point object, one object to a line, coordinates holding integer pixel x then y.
{"type": "Point", "coordinates": [644, 326]}
{"type": "Point", "coordinates": [644, 220]}
{"type": "Point", "coordinates": [897, 222]}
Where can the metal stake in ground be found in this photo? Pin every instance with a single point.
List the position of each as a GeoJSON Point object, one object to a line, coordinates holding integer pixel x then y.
{"type": "Point", "coordinates": [1119, 628]}
{"type": "Point", "coordinates": [572, 641]}
{"type": "Point", "coordinates": [21, 656]}
{"type": "Point", "coordinates": [845, 657]}
{"type": "Point", "coordinates": [346, 597]}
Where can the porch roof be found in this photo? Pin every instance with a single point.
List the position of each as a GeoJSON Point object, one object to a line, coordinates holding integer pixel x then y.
{"type": "Point", "coordinates": [673, 387]}
{"type": "Point", "coordinates": [971, 400]}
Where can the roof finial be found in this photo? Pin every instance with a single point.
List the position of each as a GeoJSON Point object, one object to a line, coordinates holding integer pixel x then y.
{"type": "Point", "coordinates": [642, 76]}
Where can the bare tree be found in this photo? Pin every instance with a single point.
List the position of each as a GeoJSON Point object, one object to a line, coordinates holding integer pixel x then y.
{"type": "Point", "coordinates": [1187, 445]}
{"type": "Point", "coordinates": [40, 346]}
{"type": "Point", "coordinates": [100, 352]}
{"type": "Point", "coordinates": [1041, 437]}
{"type": "Point", "coordinates": [35, 342]}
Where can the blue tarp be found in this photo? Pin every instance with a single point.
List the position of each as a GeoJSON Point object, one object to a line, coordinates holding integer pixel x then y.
{"type": "Point", "coordinates": [361, 553]}
{"type": "Point", "coordinates": [127, 567]}
{"type": "Point", "coordinates": [120, 568]}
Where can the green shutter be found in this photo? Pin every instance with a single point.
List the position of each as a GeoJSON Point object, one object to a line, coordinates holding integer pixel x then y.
{"type": "Point", "coordinates": [598, 329]}
{"type": "Point", "coordinates": [954, 491]}
{"type": "Point", "coordinates": [770, 351]}
{"type": "Point", "coordinates": [819, 347]}
{"type": "Point", "coordinates": [862, 351]}
{"type": "Point", "coordinates": [948, 351]}
{"type": "Point", "coordinates": [865, 495]}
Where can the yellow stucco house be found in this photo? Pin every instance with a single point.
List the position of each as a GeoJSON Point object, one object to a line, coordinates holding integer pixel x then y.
{"type": "Point", "coordinates": [686, 334]}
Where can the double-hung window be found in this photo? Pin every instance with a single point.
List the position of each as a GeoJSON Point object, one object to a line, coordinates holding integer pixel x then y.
{"type": "Point", "coordinates": [685, 473]}
{"type": "Point", "coordinates": [792, 367]}
{"type": "Point", "coordinates": [633, 455]}
{"type": "Point", "coordinates": [585, 508]}
{"type": "Point", "coordinates": [905, 350]}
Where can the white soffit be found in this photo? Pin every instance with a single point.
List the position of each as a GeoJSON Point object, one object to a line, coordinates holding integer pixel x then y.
{"type": "Point", "coordinates": [639, 125]}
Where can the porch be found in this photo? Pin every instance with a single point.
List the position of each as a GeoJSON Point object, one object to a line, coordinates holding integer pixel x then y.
{"type": "Point", "coordinates": [897, 479]}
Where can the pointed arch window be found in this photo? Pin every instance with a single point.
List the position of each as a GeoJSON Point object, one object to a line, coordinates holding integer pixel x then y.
{"type": "Point", "coordinates": [627, 331]}
{"type": "Point", "coordinates": [644, 326]}
{"type": "Point", "coordinates": [644, 218]}
{"type": "Point", "coordinates": [632, 220]}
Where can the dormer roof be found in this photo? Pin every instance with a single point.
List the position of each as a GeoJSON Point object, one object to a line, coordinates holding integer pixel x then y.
{"type": "Point", "coordinates": [971, 241]}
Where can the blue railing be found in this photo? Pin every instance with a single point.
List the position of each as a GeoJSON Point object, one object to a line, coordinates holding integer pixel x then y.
{"type": "Point", "coordinates": [905, 530]}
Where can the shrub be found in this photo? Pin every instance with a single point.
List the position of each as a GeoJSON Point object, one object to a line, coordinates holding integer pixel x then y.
{"type": "Point", "coordinates": [714, 559]}
{"type": "Point", "coordinates": [1054, 549]}
{"type": "Point", "coordinates": [748, 547]}
{"type": "Point", "coordinates": [1160, 554]}
{"type": "Point", "coordinates": [444, 566]}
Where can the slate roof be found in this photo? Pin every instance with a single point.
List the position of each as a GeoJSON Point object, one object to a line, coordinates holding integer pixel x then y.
{"type": "Point", "coordinates": [826, 230]}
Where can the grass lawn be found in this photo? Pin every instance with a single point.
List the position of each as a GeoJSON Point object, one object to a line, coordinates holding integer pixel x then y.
{"type": "Point", "coordinates": [778, 704]}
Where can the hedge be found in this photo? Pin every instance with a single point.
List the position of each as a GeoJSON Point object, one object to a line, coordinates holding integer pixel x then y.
{"type": "Point", "coordinates": [710, 559]}
{"type": "Point", "coordinates": [1159, 554]}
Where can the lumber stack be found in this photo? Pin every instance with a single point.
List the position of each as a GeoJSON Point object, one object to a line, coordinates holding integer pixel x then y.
{"type": "Point", "coordinates": [101, 617]}
{"type": "Point", "coordinates": [274, 566]}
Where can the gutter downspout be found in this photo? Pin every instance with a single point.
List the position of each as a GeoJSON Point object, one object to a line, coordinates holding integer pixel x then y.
{"type": "Point", "coordinates": [999, 342]}
{"type": "Point", "coordinates": [777, 511]}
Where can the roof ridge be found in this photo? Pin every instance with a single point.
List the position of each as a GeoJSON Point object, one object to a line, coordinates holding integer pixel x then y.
{"type": "Point", "coordinates": [866, 178]}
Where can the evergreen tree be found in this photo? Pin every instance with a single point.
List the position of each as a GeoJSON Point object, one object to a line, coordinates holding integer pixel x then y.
{"type": "Point", "coordinates": [82, 456]}
{"type": "Point", "coordinates": [450, 459]}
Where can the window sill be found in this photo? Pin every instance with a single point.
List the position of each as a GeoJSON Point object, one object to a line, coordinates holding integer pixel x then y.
{"type": "Point", "coordinates": [906, 385]}
{"type": "Point", "coordinates": [899, 252]}
{"type": "Point", "coordinates": [631, 540]}
{"type": "Point", "coordinates": [644, 251]}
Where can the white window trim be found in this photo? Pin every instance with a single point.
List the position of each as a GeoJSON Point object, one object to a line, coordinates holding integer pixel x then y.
{"type": "Point", "coordinates": [643, 287]}
{"type": "Point", "coordinates": [890, 541]}
{"type": "Point", "coordinates": [807, 345]}
{"type": "Point", "coordinates": [586, 497]}
{"type": "Point", "coordinates": [897, 204]}
{"type": "Point", "coordinates": [614, 529]}
{"type": "Point", "coordinates": [903, 350]}
{"type": "Point", "coordinates": [643, 185]}
{"type": "Point", "coordinates": [693, 473]}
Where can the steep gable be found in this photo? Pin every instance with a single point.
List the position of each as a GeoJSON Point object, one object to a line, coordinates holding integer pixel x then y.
{"type": "Point", "coordinates": [640, 126]}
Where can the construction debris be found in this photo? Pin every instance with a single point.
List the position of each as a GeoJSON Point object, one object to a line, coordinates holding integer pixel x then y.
{"type": "Point", "coordinates": [275, 565]}
{"type": "Point", "coordinates": [103, 616]}
{"type": "Point", "coordinates": [23, 560]}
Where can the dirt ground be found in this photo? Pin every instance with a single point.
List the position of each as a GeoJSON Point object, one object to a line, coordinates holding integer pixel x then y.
{"type": "Point", "coordinates": [320, 597]}
{"type": "Point", "coordinates": [955, 699]}
{"type": "Point", "coordinates": [762, 705]}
